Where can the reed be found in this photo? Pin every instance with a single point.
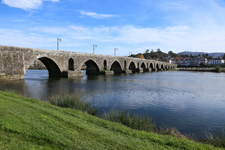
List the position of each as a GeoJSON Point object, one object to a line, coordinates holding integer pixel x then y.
{"type": "Point", "coordinates": [131, 120]}
{"type": "Point", "coordinates": [218, 139]}
{"type": "Point", "coordinates": [74, 102]}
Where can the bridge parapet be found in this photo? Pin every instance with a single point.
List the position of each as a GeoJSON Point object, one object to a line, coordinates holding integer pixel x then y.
{"type": "Point", "coordinates": [15, 61]}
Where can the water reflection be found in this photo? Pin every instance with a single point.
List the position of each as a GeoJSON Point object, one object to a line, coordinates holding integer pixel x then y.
{"type": "Point", "coordinates": [193, 102]}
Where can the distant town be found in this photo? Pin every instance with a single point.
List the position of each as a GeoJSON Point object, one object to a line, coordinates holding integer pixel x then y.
{"type": "Point", "coordinates": [185, 58]}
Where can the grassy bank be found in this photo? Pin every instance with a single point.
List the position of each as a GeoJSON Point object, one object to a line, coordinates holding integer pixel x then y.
{"type": "Point", "coordinates": [31, 124]}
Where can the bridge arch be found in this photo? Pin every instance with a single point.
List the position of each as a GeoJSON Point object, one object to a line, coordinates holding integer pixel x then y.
{"type": "Point", "coordinates": [162, 66]}
{"type": "Point", "coordinates": [71, 64]}
{"type": "Point", "coordinates": [157, 67]}
{"type": "Point", "coordinates": [92, 67]}
{"type": "Point", "coordinates": [151, 67]}
{"type": "Point", "coordinates": [166, 67]}
{"type": "Point", "coordinates": [116, 67]}
{"type": "Point", "coordinates": [143, 67]}
{"type": "Point", "coordinates": [132, 67]}
{"type": "Point", "coordinates": [53, 68]}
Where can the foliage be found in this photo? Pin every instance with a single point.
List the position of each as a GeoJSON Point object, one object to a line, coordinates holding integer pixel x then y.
{"type": "Point", "coordinates": [207, 56]}
{"type": "Point", "coordinates": [158, 55]}
{"type": "Point", "coordinates": [141, 56]}
{"type": "Point", "coordinates": [218, 69]}
{"type": "Point", "coordinates": [172, 54]}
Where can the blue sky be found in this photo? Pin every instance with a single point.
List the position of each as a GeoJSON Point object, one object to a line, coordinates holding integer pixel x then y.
{"type": "Point", "coordinates": [129, 25]}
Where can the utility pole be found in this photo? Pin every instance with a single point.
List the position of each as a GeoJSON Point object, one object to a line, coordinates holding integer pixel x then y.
{"type": "Point", "coordinates": [115, 49]}
{"type": "Point", "coordinates": [94, 46]}
{"type": "Point", "coordinates": [58, 40]}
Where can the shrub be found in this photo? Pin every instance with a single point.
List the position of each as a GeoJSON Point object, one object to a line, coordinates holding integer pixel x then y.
{"type": "Point", "coordinates": [218, 69]}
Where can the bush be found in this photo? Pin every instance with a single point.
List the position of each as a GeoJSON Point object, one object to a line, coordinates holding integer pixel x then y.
{"type": "Point", "coordinates": [218, 69]}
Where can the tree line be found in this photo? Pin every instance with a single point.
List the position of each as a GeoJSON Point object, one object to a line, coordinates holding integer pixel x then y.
{"type": "Point", "coordinates": [159, 55]}
{"type": "Point", "coordinates": [155, 55]}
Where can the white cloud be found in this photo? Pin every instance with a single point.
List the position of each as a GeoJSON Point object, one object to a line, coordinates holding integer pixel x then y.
{"type": "Point", "coordinates": [126, 38]}
{"type": "Point", "coordinates": [96, 15]}
{"type": "Point", "coordinates": [26, 4]}
{"type": "Point", "coordinates": [176, 38]}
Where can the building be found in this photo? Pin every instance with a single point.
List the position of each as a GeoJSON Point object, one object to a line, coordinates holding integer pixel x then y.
{"type": "Point", "coordinates": [168, 60]}
{"type": "Point", "coordinates": [216, 61]}
{"type": "Point", "coordinates": [203, 61]}
{"type": "Point", "coordinates": [194, 62]}
{"type": "Point", "coordinates": [181, 61]}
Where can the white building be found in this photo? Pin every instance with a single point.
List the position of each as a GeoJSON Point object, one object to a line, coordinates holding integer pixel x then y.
{"type": "Point", "coordinates": [203, 60]}
{"type": "Point", "coordinates": [216, 61]}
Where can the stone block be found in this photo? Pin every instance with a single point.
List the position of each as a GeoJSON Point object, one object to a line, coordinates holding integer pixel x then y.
{"type": "Point", "coordinates": [107, 72]}
{"type": "Point", "coordinates": [75, 74]}
{"type": "Point", "coordinates": [128, 71]}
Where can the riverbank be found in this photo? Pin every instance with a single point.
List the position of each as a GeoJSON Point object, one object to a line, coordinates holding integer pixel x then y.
{"type": "Point", "coordinates": [202, 69]}
{"type": "Point", "coordinates": [27, 123]}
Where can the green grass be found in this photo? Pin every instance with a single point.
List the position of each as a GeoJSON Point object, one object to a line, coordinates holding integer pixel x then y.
{"type": "Point", "coordinates": [31, 124]}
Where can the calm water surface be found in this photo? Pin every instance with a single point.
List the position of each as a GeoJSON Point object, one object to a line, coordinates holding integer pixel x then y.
{"type": "Point", "coordinates": [192, 102]}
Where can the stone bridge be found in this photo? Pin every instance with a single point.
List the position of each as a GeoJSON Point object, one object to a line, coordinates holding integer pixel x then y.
{"type": "Point", "coordinates": [15, 61]}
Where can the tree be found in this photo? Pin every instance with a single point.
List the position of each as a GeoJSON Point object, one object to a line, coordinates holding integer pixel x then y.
{"type": "Point", "coordinates": [205, 55]}
{"type": "Point", "coordinates": [192, 56]}
{"type": "Point", "coordinates": [158, 55]}
{"type": "Point", "coordinates": [147, 51]}
{"type": "Point", "coordinates": [141, 56]}
{"type": "Point", "coordinates": [159, 51]}
{"type": "Point", "coordinates": [172, 54]}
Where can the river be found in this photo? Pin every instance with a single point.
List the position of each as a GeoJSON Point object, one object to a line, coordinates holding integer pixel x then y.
{"type": "Point", "coordinates": [192, 102]}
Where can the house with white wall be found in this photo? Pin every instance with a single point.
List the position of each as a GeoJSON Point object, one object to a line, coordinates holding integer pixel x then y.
{"type": "Point", "coordinates": [216, 61]}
